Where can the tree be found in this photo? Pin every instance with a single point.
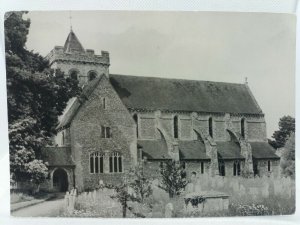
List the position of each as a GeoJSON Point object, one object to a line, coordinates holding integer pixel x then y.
{"type": "Point", "coordinates": [173, 177]}
{"type": "Point", "coordinates": [38, 172]}
{"type": "Point", "coordinates": [124, 196]}
{"type": "Point", "coordinates": [36, 96]}
{"type": "Point", "coordinates": [286, 127]}
{"type": "Point", "coordinates": [140, 183]}
{"type": "Point", "coordinates": [287, 162]}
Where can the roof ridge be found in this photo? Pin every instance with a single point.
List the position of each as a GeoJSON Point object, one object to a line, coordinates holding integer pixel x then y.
{"type": "Point", "coordinates": [177, 79]}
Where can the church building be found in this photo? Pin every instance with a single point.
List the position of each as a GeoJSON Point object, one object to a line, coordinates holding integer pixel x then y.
{"type": "Point", "coordinates": [212, 128]}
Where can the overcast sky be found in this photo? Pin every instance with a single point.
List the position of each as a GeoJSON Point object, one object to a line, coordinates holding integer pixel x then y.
{"type": "Point", "coordinates": [190, 45]}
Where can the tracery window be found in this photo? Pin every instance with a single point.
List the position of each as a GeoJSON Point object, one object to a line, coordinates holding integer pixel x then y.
{"type": "Point", "coordinates": [115, 163]}
{"type": "Point", "coordinates": [96, 162]}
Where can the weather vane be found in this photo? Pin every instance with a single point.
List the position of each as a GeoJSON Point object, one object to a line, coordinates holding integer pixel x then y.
{"type": "Point", "coordinates": [70, 17]}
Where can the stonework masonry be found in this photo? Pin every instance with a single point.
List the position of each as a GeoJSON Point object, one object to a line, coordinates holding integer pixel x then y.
{"type": "Point", "coordinates": [106, 105]}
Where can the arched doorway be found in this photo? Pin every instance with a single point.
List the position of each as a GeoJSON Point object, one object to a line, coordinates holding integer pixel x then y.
{"type": "Point", "coordinates": [60, 180]}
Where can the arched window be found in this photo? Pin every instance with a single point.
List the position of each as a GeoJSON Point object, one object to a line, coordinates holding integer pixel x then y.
{"type": "Point", "coordinates": [202, 167]}
{"type": "Point", "coordinates": [243, 127]}
{"type": "Point", "coordinates": [104, 103]}
{"type": "Point", "coordinates": [74, 74]}
{"type": "Point", "coordinates": [236, 168]}
{"type": "Point", "coordinates": [135, 118]}
{"type": "Point", "coordinates": [210, 126]}
{"type": "Point", "coordinates": [96, 162]}
{"type": "Point", "coordinates": [255, 168]}
{"type": "Point", "coordinates": [221, 168]}
{"type": "Point", "coordinates": [106, 132]}
{"type": "Point", "coordinates": [175, 123]}
{"type": "Point", "coordinates": [92, 75]}
{"type": "Point", "coordinates": [115, 163]}
{"type": "Point", "coordinates": [269, 166]}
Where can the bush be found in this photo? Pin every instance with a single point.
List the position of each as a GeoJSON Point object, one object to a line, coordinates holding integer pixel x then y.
{"type": "Point", "coordinates": [19, 197]}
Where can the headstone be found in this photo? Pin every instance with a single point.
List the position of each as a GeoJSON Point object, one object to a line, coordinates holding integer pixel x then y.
{"type": "Point", "coordinates": [189, 188]}
{"type": "Point", "coordinates": [169, 210]}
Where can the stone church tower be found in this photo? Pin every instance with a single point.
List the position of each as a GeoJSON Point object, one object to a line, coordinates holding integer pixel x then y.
{"type": "Point", "coordinates": [78, 63]}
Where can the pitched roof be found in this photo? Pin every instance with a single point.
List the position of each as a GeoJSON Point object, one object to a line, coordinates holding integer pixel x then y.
{"type": "Point", "coordinates": [184, 95]}
{"type": "Point", "coordinates": [174, 95]}
{"type": "Point", "coordinates": [192, 150]}
{"type": "Point", "coordinates": [229, 150]}
{"type": "Point", "coordinates": [73, 106]}
{"type": "Point", "coordinates": [72, 44]}
{"type": "Point", "coordinates": [57, 156]}
{"type": "Point", "coordinates": [154, 149]}
{"type": "Point", "coordinates": [263, 150]}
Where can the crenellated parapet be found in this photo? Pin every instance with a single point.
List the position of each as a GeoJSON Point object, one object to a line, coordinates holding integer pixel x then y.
{"type": "Point", "coordinates": [88, 57]}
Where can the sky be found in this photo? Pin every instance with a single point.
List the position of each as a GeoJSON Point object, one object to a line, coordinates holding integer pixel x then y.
{"type": "Point", "coordinates": [213, 46]}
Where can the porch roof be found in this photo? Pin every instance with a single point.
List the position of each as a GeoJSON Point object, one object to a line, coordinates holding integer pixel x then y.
{"type": "Point", "coordinates": [57, 156]}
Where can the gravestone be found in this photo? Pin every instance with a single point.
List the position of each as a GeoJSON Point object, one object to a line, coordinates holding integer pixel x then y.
{"type": "Point", "coordinates": [169, 210]}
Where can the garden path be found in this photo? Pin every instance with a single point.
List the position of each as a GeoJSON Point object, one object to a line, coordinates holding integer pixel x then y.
{"type": "Point", "coordinates": [49, 208]}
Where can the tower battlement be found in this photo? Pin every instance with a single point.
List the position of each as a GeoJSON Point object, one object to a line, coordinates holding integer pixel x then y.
{"type": "Point", "coordinates": [87, 57]}
{"type": "Point", "coordinates": [78, 63]}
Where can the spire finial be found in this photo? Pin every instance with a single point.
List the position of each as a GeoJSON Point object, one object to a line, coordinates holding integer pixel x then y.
{"type": "Point", "coordinates": [70, 17]}
{"type": "Point", "coordinates": [246, 80]}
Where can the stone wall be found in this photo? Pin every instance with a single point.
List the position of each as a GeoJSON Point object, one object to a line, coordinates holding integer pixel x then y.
{"type": "Point", "coordinates": [254, 125]}
{"type": "Point", "coordinates": [229, 167]}
{"type": "Point", "coordinates": [82, 68]}
{"type": "Point", "coordinates": [262, 166]}
{"type": "Point", "coordinates": [195, 166]}
{"type": "Point", "coordinates": [83, 63]}
{"type": "Point", "coordinates": [152, 169]}
{"type": "Point", "coordinates": [86, 135]}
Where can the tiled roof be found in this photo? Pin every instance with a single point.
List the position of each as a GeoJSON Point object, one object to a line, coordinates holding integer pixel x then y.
{"type": "Point", "coordinates": [151, 93]}
{"type": "Point", "coordinates": [154, 149]}
{"type": "Point", "coordinates": [75, 105]}
{"type": "Point", "coordinates": [229, 150]}
{"type": "Point", "coordinates": [72, 44]}
{"type": "Point", "coordinates": [192, 150]}
{"type": "Point", "coordinates": [57, 156]}
{"type": "Point", "coordinates": [174, 95]}
{"type": "Point", "coordinates": [262, 150]}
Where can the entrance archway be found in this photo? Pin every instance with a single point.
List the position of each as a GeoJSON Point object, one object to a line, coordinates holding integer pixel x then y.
{"type": "Point", "coordinates": [60, 180]}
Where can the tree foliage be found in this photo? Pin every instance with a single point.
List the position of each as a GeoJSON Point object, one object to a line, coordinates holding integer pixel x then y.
{"type": "Point", "coordinates": [286, 127]}
{"type": "Point", "coordinates": [124, 196]}
{"type": "Point", "coordinates": [140, 183]}
{"type": "Point", "coordinates": [173, 178]}
{"type": "Point", "coordinates": [287, 162]}
{"type": "Point", "coordinates": [36, 96]}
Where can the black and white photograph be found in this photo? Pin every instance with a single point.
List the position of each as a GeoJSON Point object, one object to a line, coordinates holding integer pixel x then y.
{"type": "Point", "coordinates": [150, 114]}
